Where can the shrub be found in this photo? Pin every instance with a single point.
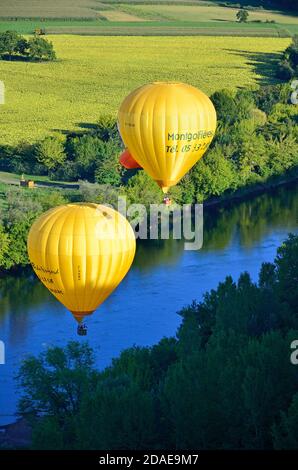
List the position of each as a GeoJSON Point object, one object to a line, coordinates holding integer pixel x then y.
{"type": "Point", "coordinates": [40, 49]}
{"type": "Point", "coordinates": [50, 152]}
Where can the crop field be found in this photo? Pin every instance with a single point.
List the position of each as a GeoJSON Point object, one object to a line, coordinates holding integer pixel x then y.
{"type": "Point", "coordinates": [119, 15]}
{"type": "Point", "coordinates": [50, 8]}
{"type": "Point", "coordinates": [203, 13]}
{"type": "Point", "coordinates": [62, 8]}
{"type": "Point", "coordinates": [93, 74]}
{"type": "Point", "coordinates": [113, 17]}
{"type": "Point", "coordinates": [151, 28]}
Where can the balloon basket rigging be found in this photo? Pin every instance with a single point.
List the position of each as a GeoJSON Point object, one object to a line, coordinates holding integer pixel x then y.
{"type": "Point", "coordinates": [82, 330]}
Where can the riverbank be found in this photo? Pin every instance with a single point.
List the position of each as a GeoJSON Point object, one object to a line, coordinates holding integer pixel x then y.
{"type": "Point", "coordinates": [245, 193]}
{"type": "Point", "coordinates": [12, 179]}
{"type": "Point", "coordinates": [227, 199]}
{"type": "Point", "coordinates": [238, 195]}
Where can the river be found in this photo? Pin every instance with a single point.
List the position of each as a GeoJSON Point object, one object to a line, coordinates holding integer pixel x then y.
{"type": "Point", "coordinates": [163, 279]}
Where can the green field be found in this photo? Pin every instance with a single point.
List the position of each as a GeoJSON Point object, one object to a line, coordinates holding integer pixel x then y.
{"type": "Point", "coordinates": [151, 28]}
{"type": "Point", "coordinates": [93, 75]}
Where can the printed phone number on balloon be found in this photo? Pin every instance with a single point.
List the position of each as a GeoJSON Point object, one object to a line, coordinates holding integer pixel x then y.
{"type": "Point", "coordinates": [187, 148]}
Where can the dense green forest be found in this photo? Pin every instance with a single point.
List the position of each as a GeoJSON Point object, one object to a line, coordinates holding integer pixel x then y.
{"type": "Point", "coordinates": [288, 65]}
{"type": "Point", "coordinates": [225, 381]}
{"type": "Point", "coordinates": [290, 5]}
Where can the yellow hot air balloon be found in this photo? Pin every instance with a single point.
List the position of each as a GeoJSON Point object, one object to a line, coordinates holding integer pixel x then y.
{"type": "Point", "coordinates": [167, 127]}
{"type": "Point", "coordinates": [81, 252]}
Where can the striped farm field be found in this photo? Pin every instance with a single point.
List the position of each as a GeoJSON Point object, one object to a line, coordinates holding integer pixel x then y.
{"type": "Point", "coordinates": [148, 27]}
{"type": "Point", "coordinates": [50, 8]}
{"type": "Point", "coordinates": [93, 74]}
{"type": "Point", "coordinates": [118, 15]}
{"type": "Point", "coordinates": [142, 18]}
{"type": "Point", "coordinates": [204, 12]}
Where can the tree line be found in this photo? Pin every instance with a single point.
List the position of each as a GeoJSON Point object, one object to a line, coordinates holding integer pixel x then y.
{"type": "Point", "coordinates": [288, 65]}
{"type": "Point", "coordinates": [17, 214]}
{"type": "Point", "coordinates": [15, 46]}
{"type": "Point", "coordinates": [226, 381]}
{"type": "Point", "coordinates": [284, 5]}
{"type": "Point", "coordinates": [256, 139]}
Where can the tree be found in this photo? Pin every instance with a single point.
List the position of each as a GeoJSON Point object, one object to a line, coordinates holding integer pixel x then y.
{"type": "Point", "coordinates": [50, 152]}
{"type": "Point", "coordinates": [263, 396]}
{"type": "Point", "coordinates": [4, 246]}
{"type": "Point", "coordinates": [212, 175]}
{"type": "Point", "coordinates": [287, 272]}
{"type": "Point", "coordinates": [87, 151]}
{"type": "Point", "coordinates": [18, 234]}
{"type": "Point", "coordinates": [55, 381]}
{"type": "Point", "coordinates": [285, 433]}
{"type": "Point", "coordinates": [108, 172]}
{"type": "Point", "coordinates": [41, 49]}
{"type": "Point", "coordinates": [292, 52]}
{"type": "Point", "coordinates": [266, 97]}
{"type": "Point", "coordinates": [142, 189]}
{"type": "Point", "coordinates": [106, 128]}
{"type": "Point", "coordinates": [22, 207]}
{"type": "Point", "coordinates": [22, 46]}
{"type": "Point", "coordinates": [50, 199]}
{"type": "Point", "coordinates": [226, 106]}
{"type": "Point", "coordinates": [251, 158]}
{"type": "Point", "coordinates": [285, 70]}
{"type": "Point", "coordinates": [242, 16]}
{"type": "Point", "coordinates": [100, 193]}
{"type": "Point", "coordinates": [104, 425]}
{"type": "Point", "coordinates": [288, 65]}
{"type": "Point", "coordinates": [22, 159]}
{"type": "Point", "coordinates": [12, 43]}
{"type": "Point", "coordinates": [108, 169]}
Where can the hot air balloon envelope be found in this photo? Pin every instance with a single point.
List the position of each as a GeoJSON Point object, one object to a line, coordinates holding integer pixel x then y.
{"type": "Point", "coordinates": [81, 252]}
{"type": "Point", "coordinates": [167, 128]}
{"type": "Point", "coordinates": [127, 160]}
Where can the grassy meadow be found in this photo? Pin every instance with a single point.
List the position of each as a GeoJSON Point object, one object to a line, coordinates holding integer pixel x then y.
{"type": "Point", "coordinates": [93, 74]}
